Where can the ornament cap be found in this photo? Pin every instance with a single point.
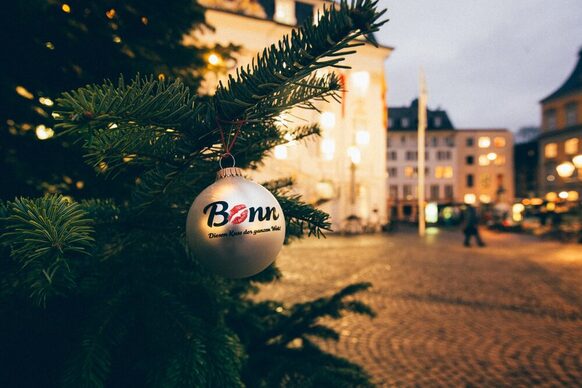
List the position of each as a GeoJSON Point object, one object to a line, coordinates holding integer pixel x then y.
{"type": "Point", "coordinates": [228, 172]}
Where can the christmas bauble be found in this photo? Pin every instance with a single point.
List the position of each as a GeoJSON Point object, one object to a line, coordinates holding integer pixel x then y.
{"type": "Point", "coordinates": [235, 227]}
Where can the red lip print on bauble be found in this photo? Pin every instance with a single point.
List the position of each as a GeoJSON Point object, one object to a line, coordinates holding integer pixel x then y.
{"type": "Point", "coordinates": [238, 214]}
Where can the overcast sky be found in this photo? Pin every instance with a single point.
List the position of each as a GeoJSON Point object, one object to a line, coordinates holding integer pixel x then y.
{"type": "Point", "coordinates": [487, 62]}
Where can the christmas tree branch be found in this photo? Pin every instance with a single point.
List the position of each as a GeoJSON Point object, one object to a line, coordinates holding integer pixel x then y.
{"type": "Point", "coordinates": [301, 217]}
{"type": "Point", "coordinates": [295, 57]}
{"type": "Point", "coordinates": [144, 102]}
{"type": "Point", "coordinates": [46, 236]}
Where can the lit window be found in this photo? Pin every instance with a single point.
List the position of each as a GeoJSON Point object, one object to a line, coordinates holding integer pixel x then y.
{"type": "Point", "coordinates": [500, 160]}
{"type": "Point", "coordinates": [551, 150]}
{"type": "Point", "coordinates": [363, 137]}
{"type": "Point", "coordinates": [285, 11]}
{"type": "Point", "coordinates": [443, 172]}
{"type": "Point", "coordinates": [327, 120]}
{"type": "Point", "coordinates": [499, 142]}
{"type": "Point", "coordinates": [360, 81]}
{"type": "Point", "coordinates": [484, 160]}
{"type": "Point", "coordinates": [571, 146]}
{"type": "Point", "coordinates": [484, 142]}
{"type": "Point", "coordinates": [409, 171]}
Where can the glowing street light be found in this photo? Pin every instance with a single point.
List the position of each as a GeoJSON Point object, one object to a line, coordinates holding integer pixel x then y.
{"type": "Point", "coordinates": [563, 194]}
{"type": "Point", "coordinates": [214, 59]}
{"type": "Point", "coordinates": [577, 160]}
{"type": "Point", "coordinates": [355, 155]}
{"type": "Point", "coordinates": [565, 169]}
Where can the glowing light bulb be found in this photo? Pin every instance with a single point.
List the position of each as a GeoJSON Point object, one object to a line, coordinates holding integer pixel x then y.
{"type": "Point", "coordinates": [23, 92]}
{"type": "Point", "coordinates": [46, 101]}
{"type": "Point", "coordinates": [214, 59]}
{"type": "Point", "coordinates": [43, 133]}
{"type": "Point", "coordinates": [66, 8]}
{"type": "Point", "coordinates": [565, 169]}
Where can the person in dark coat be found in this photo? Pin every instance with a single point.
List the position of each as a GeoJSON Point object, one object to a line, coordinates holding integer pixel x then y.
{"type": "Point", "coordinates": [471, 226]}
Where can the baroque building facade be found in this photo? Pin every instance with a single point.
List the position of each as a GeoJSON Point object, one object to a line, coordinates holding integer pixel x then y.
{"type": "Point", "coordinates": [560, 141]}
{"type": "Point", "coordinates": [343, 171]}
{"type": "Point", "coordinates": [402, 160]}
{"type": "Point", "coordinates": [461, 165]}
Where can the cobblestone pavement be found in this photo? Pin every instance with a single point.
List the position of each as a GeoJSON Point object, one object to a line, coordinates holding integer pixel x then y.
{"type": "Point", "coordinates": [508, 314]}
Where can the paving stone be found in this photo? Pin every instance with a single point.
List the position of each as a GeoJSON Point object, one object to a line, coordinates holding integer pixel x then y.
{"type": "Point", "coordinates": [509, 314]}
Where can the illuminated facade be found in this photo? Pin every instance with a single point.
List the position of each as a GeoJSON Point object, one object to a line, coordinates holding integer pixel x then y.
{"type": "Point", "coordinates": [485, 166]}
{"type": "Point", "coordinates": [560, 142]}
{"type": "Point", "coordinates": [344, 170]}
{"type": "Point", "coordinates": [462, 165]}
{"type": "Point", "coordinates": [402, 160]}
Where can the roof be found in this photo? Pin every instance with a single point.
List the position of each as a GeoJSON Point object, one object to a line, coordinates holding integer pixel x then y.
{"type": "Point", "coordinates": [573, 83]}
{"type": "Point", "coordinates": [406, 118]}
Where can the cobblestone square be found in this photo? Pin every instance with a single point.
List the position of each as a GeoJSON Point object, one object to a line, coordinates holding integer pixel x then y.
{"type": "Point", "coordinates": [508, 314]}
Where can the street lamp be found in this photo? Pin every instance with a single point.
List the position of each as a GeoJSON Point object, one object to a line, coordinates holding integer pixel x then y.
{"type": "Point", "coordinates": [565, 169]}
{"type": "Point", "coordinates": [355, 158]}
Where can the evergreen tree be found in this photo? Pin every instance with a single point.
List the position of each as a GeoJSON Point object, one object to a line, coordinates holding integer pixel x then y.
{"type": "Point", "coordinates": [52, 46]}
{"type": "Point", "coordinates": [103, 292]}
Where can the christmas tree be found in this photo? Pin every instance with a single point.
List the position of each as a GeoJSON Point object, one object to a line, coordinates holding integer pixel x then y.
{"type": "Point", "coordinates": [53, 46]}
{"type": "Point", "coordinates": [103, 292]}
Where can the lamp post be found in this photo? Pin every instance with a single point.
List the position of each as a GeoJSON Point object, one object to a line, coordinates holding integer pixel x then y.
{"type": "Point", "coordinates": [355, 158]}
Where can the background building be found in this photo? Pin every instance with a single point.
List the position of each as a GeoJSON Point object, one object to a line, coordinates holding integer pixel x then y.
{"type": "Point", "coordinates": [402, 160]}
{"type": "Point", "coordinates": [485, 166]}
{"type": "Point", "coordinates": [561, 138]}
{"type": "Point", "coordinates": [344, 170]}
{"type": "Point", "coordinates": [526, 160]}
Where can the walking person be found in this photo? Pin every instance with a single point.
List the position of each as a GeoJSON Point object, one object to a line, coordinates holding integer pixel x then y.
{"type": "Point", "coordinates": [471, 226]}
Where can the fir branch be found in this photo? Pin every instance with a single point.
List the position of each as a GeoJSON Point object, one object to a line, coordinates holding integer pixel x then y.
{"type": "Point", "coordinates": [143, 102]}
{"type": "Point", "coordinates": [45, 237]}
{"type": "Point", "coordinates": [307, 49]}
{"type": "Point", "coordinates": [301, 217]}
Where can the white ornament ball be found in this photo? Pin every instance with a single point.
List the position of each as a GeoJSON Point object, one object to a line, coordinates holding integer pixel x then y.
{"type": "Point", "coordinates": [235, 227]}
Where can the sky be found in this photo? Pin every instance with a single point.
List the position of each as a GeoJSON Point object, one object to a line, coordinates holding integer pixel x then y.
{"type": "Point", "coordinates": [487, 62]}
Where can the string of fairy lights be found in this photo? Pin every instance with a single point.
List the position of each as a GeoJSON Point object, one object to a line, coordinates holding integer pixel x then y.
{"type": "Point", "coordinates": [42, 131]}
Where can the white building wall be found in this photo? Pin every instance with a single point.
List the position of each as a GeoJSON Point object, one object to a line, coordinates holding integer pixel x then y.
{"type": "Point", "coordinates": [360, 111]}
